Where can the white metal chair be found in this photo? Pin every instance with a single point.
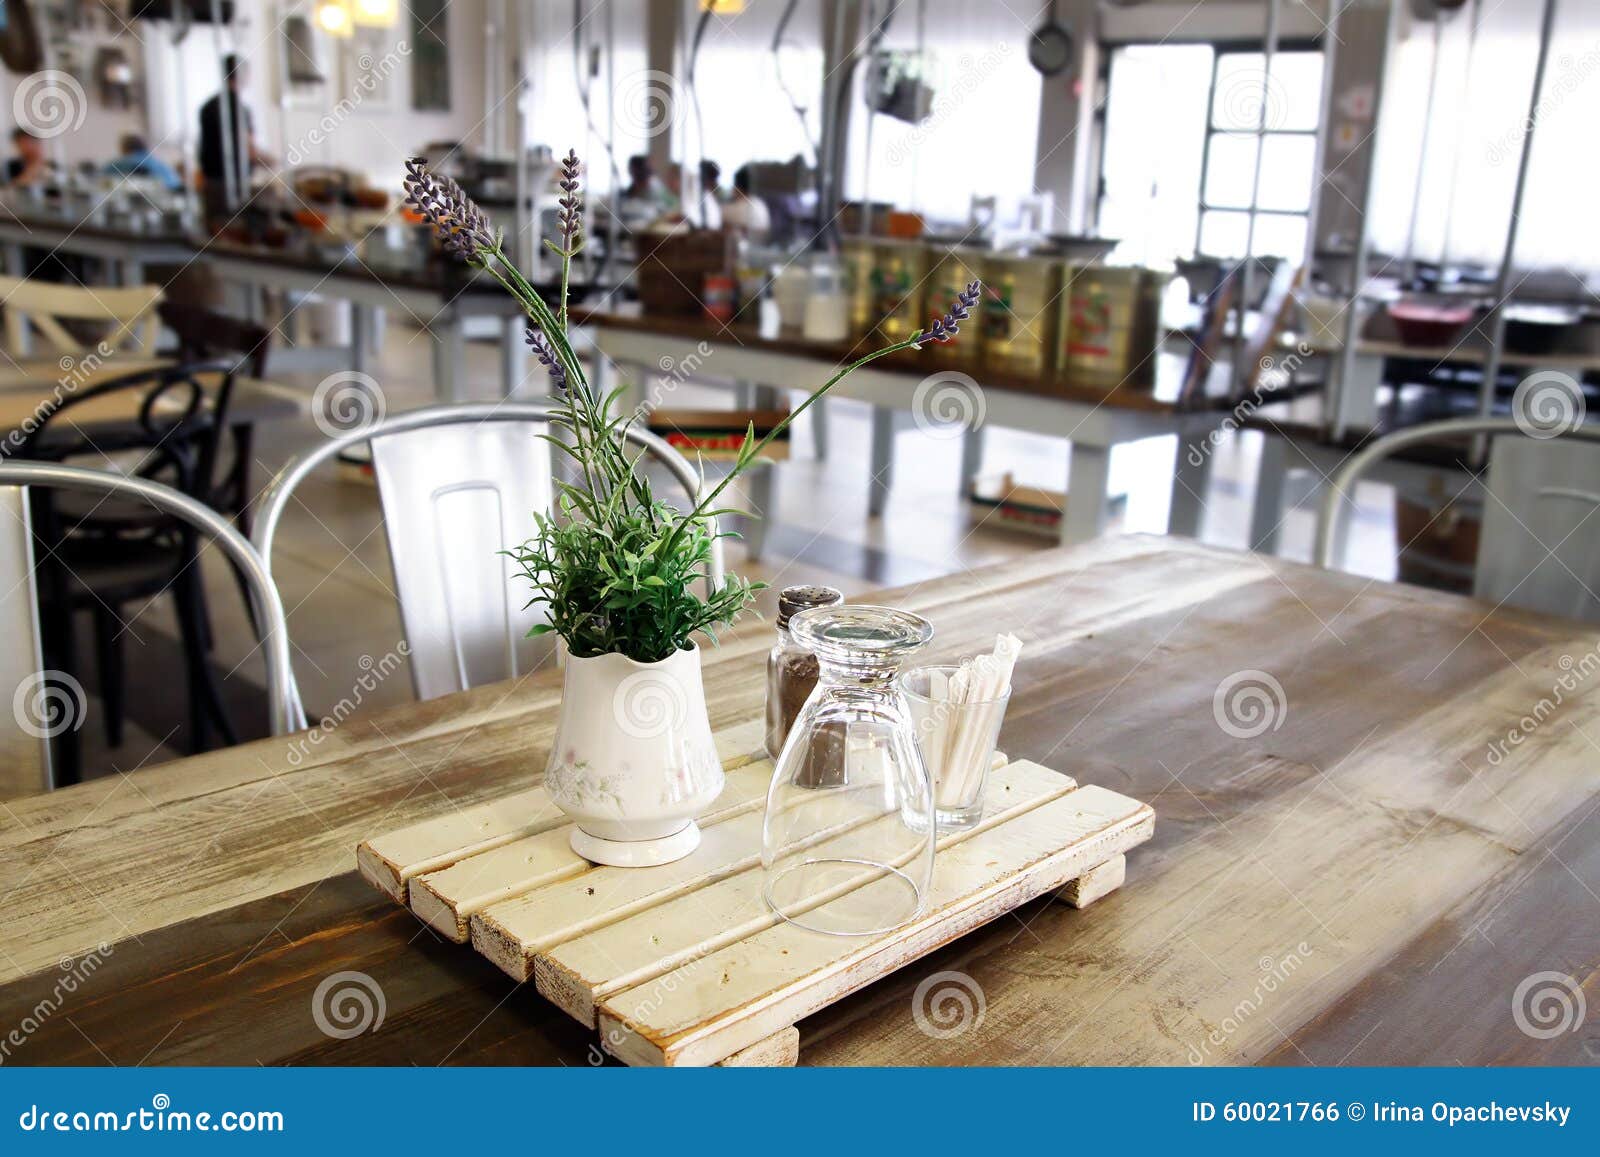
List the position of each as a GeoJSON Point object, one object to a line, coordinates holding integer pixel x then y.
{"type": "Point", "coordinates": [1538, 547]}
{"type": "Point", "coordinates": [458, 484]}
{"type": "Point", "coordinates": [40, 711]}
{"type": "Point", "coordinates": [42, 306]}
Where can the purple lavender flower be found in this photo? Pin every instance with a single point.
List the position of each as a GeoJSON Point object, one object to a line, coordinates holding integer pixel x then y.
{"type": "Point", "coordinates": [547, 358]}
{"type": "Point", "coordinates": [944, 328]}
{"type": "Point", "coordinates": [461, 226]}
{"type": "Point", "coordinates": [570, 214]}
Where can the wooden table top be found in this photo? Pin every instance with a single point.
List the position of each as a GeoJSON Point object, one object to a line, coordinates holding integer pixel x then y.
{"type": "Point", "coordinates": [1362, 875]}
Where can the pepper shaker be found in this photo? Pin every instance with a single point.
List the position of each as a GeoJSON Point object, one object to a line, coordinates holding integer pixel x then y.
{"type": "Point", "coordinates": [791, 668]}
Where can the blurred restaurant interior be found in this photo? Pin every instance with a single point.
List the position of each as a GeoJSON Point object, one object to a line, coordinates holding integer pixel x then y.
{"type": "Point", "coordinates": [1225, 246]}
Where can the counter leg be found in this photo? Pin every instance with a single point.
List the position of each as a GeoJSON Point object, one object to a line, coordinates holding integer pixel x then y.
{"type": "Point", "coordinates": [882, 465]}
{"type": "Point", "coordinates": [1191, 475]}
{"type": "Point", "coordinates": [512, 360]}
{"type": "Point", "coordinates": [1087, 475]}
{"type": "Point", "coordinates": [818, 413]}
{"type": "Point", "coordinates": [1266, 513]}
{"type": "Point", "coordinates": [763, 486]}
{"type": "Point", "coordinates": [971, 457]}
{"type": "Point", "coordinates": [360, 349]}
{"type": "Point", "coordinates": [448, 350]}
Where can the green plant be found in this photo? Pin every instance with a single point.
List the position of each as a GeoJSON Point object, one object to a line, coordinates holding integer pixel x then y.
{"type": "Point", "coordinates": [616, 568]}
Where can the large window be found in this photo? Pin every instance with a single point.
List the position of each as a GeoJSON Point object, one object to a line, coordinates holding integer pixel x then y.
{"type": "Point", "coordinates": [1262, 121]}
{"type": "Point", "coordinates": [1184, 125]}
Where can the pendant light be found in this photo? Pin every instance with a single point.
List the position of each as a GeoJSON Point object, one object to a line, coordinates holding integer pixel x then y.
{"type": "Point", "coordinates": [376, 13]}
{"type": "Point", "coordinates": [335, 17]}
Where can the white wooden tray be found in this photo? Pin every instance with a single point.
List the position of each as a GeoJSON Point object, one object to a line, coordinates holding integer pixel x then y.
{"type": "Point", "coordinates": [683, 964]}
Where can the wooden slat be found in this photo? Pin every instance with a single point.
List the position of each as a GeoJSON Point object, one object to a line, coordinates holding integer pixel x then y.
{"type": "Point", "coordinates": [577, 974]}
{"type": "Point", "coordinates": [728, 999]}
{"type": "Point", "coordinates": [389, 861]}
{"type": "Point", "coordinates": [1097, 883]}
{"type": "Point", "coordinates": [513, 931]}
{"type": "Point", "coordinates": [448, 899]}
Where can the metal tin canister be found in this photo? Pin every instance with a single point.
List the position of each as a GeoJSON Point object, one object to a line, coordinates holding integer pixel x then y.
{"type": "Point", "coordinates": [1020, 309]}
{"type": "Point", "coordinates": [1111, 326]}
{"type": "Point", "coordinates": [951, 271]}
{"type": "Point", "coordinates": [856, 256]}
{"type": "Point", "coordinates": [897, 282]}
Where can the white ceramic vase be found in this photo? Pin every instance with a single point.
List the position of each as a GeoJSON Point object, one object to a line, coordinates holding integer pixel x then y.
{"type": "Point", "coordinates": [633, 761]}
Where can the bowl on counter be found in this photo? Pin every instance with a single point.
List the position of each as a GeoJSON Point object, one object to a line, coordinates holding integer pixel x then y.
{"type": "Point", "coordinates": [1538, 329]}
{"type": "Point", "coordinates": [1430, 322]}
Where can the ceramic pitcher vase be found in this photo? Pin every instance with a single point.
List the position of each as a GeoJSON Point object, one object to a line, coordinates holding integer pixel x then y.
{"type": "Point", "coordinates": [633, 761]}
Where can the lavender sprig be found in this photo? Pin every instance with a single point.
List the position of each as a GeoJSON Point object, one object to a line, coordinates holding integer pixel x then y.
{"type": "Point", "coordinates": [461, 226]}
{"type": "Point", "coordinates": [569, 217]}
{"type": "Point", "coordinates": [547, 358]}
{"type": "Point", "coordinates": [946, 327]}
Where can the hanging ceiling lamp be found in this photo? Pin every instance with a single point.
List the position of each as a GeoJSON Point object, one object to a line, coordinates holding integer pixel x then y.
{"type": "Point", "coordinates": [335, 17]}
{"type": "Point", "coordinates": [376, 13]}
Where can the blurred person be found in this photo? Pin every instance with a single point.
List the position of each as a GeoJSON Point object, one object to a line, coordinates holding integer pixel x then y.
{"type": "Point", "coordinates": [138, 161]}
{"type": "Point", "coordinates": [746, 213]}
{"type": "Point", "coordinates": [30, 166]}
{"type": "Point", "coordinates": [214, 151]}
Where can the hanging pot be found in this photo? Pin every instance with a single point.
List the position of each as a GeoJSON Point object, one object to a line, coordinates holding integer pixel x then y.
{"type": "Point", "coordinates": [1050, 49]}
{"type": "Point", "coordinates": [633, 760]}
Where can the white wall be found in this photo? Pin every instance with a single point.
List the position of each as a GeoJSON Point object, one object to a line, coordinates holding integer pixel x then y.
{"type": "Point", "coordinates": [372, 131]}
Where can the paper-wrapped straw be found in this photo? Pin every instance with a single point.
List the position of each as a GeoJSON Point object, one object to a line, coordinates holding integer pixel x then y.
{"type": "Point", "coordinates": [960, 758]}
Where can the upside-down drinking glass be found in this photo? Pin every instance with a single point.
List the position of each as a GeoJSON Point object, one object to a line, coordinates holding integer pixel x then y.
{"type": "Point", "coordinates": [848, 837]}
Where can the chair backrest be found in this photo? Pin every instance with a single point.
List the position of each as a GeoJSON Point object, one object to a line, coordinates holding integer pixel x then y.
{"type": "Point", "coordinates": [205, 335]}
{"type": "Point", "coordinates": [42, 306]}
{"type": "Point", "coordinates": [459, 484]}
{"type": "Point", "coordinates": [18, 608]}
{"type": "Point", "coordinates": [163, 423]}
{"type": "Point", "coordinates": [1537, 548]}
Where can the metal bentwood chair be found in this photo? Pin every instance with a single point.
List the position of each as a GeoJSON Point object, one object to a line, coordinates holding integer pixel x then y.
{"type": "Point", "coordinates": [458, 485]}
{"type": "Point", "coordinates": [19, 613]}
{"type": "Point", "coordinates": [1543, 492]}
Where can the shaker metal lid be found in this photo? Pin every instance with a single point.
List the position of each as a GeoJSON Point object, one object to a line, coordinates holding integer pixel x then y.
{"type": "Point", "coordinates": [793, 600]}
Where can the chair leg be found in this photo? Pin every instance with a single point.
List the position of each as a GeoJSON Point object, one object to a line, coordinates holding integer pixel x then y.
{"type": "Point", "coordinates": [66, 752]}
{"type": "Point", "coordinates": [205, 700]}
{"type": "Point", "coordinates": [108, 654]}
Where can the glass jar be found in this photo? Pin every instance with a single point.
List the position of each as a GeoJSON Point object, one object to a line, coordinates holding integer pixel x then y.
{"type": "Point", "coordinates": [848, 838]}
{"type": "Point", "coordinates": [791, 668]}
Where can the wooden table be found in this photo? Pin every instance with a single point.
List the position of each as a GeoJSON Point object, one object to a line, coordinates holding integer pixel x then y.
{"type": "Point", "coordinates": [1363, 875]}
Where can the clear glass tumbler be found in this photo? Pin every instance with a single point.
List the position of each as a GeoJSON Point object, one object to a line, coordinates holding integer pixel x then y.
{"type": "Point", "coordinates": [956, 740]}
{"type": "Point", "coordinates": [848, 837]}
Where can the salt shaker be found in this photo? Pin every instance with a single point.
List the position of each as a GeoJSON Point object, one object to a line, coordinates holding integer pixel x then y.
{"type": "Point", "coordinates": [791, 668]}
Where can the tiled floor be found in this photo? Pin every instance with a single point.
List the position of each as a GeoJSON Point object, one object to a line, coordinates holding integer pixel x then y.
{"type": "Point", "coordinates": [331, 559]}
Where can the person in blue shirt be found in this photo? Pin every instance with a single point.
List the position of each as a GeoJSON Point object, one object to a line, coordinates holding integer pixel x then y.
{"type": "Point", "coordinates": [138, 161]}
